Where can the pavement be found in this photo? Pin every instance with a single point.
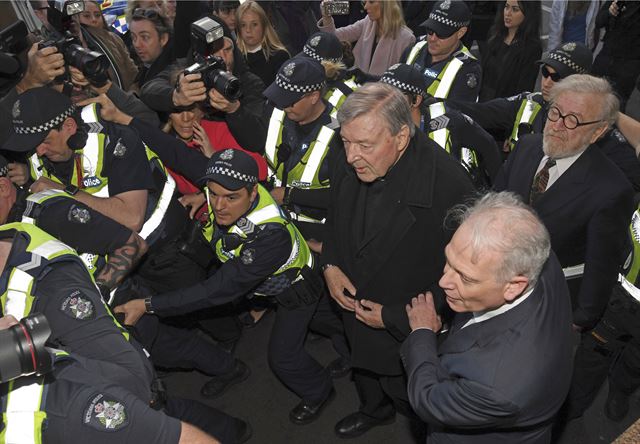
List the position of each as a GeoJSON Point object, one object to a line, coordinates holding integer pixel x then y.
{"type": "Point", "coordinates": [264, 402]}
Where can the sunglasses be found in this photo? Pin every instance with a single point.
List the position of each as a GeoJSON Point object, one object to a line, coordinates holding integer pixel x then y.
{"type": "Point", "coordinates": [441, 36]}
{"type": "Point", "coordinates": [556, 77]}
{"type": "Point", "coordinates": [145, 13]}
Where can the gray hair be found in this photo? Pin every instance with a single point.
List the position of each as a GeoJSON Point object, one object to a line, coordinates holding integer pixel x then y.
{"type": "Point", "coordinates": [380, 100]}
{"type": "Point", "coordinates": [502, 223]}
{"type": "Point", "coordinates": [587, 84]}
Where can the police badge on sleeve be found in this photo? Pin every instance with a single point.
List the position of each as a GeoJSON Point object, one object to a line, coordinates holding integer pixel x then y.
{"type": "Point", "coordinates": [105, 413]}
{"type": "Point", "coordinates": [78, 306]}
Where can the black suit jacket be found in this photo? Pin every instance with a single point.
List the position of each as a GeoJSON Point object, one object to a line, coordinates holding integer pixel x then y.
{"type": "Point", "coordinates": [404, 254]}
{"type": "Point", "coordinates": [587, 213]}
{"type": "Point", "coordinates": [497, 381]}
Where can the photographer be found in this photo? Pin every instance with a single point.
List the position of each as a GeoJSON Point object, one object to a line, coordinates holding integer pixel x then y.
{"type": "Point", "coordinates": [163, 96]}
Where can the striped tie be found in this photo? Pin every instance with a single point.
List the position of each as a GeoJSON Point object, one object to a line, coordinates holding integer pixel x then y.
{"type": "Point", "coordinates": [540, 181]}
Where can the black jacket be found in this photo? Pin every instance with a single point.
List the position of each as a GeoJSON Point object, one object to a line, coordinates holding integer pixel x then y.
{"type": "Point", "coordinates": [403, 254]}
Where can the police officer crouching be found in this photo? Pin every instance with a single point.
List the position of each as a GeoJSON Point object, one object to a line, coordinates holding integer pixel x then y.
{"type": "Point", "coordinates": [454, 131]}
{"type": "Point", "coordinates": [449, 68]}
{"type": "Point", "coordinates": [263, 255]}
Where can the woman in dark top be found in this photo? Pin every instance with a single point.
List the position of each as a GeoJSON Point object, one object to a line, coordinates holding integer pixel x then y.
{"type": "Point", "coordinates": [259, 43]}
{"type": "Point", "coordinates": [509, 61]}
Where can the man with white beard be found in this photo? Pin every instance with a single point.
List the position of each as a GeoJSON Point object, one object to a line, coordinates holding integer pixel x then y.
{"type": "Point", "coordinates": [583, 199]}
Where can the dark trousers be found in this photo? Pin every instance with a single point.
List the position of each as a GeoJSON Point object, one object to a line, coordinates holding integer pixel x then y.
{"type": "Point", "coordinates": [208, 419]}
{"type": "Point", "coordinates": [612, 348]}
{"type": "Point", "coordinates": [382, 395]}
{"type": "Point", "coordinates": [328, 323]}
{"type": "Point", "coordinates": [288, 359]}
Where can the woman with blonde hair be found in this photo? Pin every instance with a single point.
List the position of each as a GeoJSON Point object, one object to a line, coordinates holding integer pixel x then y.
{"type": "Point", "coordinates": [258, 42]}
{"type": "Point", "coordinates": [381, 36]}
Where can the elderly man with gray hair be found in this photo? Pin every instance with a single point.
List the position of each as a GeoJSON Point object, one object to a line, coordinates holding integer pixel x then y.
{"type": "Point", "coordinates": [504, 369]}
{"type": "Point", "coordinates": [384, 241]}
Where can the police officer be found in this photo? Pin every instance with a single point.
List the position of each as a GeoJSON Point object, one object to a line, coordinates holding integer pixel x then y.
{"type": "Point", "coordinates": [84, 400]}
{"type": "Point", "coordinates": [41, 274]}
{"type": "Point", "coordinates": [612, 348]}
{"type": "Point", "coordinates": [103, 165]}
{"type": "Point", "coordinates": [455, 132]}
{"type": "Point", "coordinates": [262, 254]}
{"type": "Point", "coordinates": [326, 48]}
{"type": "Point", "coordinates": [449, 68]}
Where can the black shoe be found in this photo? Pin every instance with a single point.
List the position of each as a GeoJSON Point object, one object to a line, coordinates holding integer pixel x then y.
{"type": "Point", "coordinates": [306, 412]}
{"type": "Point", "coordinates": [243, 431]}
{"type": "Point", "coordinates": [339, 368]}
{"type": "Point", "coordinates": [357, 424]}
{"type": "Point", "coordinates": [617, 405]}
{"type": "Point", "coordinates": [219, 384]}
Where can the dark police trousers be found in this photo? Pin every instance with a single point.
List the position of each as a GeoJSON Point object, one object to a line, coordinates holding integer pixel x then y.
{"type": "Point", "coordinates": [611, 348]}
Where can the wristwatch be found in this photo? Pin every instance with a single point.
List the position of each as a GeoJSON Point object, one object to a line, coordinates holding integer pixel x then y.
{"type": "Point", "coordinates": [71, 189]}
{"type": "Point", "coordinates": [148, 308]}
{"type": "Point", "coordinates": [325, 266]}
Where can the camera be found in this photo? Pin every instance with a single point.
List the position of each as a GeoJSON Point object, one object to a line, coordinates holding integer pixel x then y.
{"type": "Point", "coordinates": [214, 75]}
{"type": "Point", "coordinates": [206, 36]}
{"type": "Point", "coordinates": [13, 41]}
{"type": "Point", "coordinates": [22, 350]}
{"type": "Point", "coordinates": [336, 7]}
{"type": "Point", "coordinates": [94, 65]}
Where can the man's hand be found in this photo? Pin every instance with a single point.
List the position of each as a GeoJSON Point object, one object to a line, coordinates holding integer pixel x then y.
{"type": "Point", "coordinates": [133, 310]}
{"type": "Point", "coordinates": [108, 110]}
{"type": "Point", "coordinates": [315, 246]}
{"type": "Point", "coordinates": [7, 321]}
{"type": "Point", "coordinates": [190, 89]}
{"type": "Point", "coordinates": [44, 183]}
{"type": "Point", "coordinates": [201, 139]}
{"type": "Point", "coordinates": [44, 65]}
{"type": "Point", "coordinates": [422, 313]}
{"type": "Point", "coordinates": [338, 283]}
{"type": "Point", "coordinates": [18, 173]}
{"type": "Point", "coordinates": [369, 313]}
{"type": "Point", "coordinates": [278, 194]}
{"type": "Point", "coordinates": [217, 101]}
{"type": "Point", "coordinates": [195, 201]}
{"type": "Point", "coordinates": [614, 9]}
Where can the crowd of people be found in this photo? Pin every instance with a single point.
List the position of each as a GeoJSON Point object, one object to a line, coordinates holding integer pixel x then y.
{"type": "Point", "coordinates": [457, 214]}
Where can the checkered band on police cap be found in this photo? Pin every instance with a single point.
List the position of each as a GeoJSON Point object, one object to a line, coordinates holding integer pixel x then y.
{"type": "Point", "coordinates": [43, 127]}
{"type": "Point", "coordinates": [447, 21]}
{"type": "Point", "coordinates": [314, 55]}
{"type": "Point", "coordinates": [560, 57]}
{"type": "Point", "coordinates": [224, 171]}
{"type": "Point", "coordinates": [285, 84]}
{"type": "Point", "coordinates": [387, 78]}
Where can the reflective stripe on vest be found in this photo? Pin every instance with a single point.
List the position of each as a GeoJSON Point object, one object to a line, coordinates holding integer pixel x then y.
{"type": "Point", "coordinates": [17, 304]}
{"type": "Point", "coordinates": [445, 79]}
{"type": "Point", "coordinates": [527, 113]}
{"type": "Point", "coordinates": [274, 136]}
{"type": "Point", "coordinates": [573, 271]}
{"type": "Point", "coordinates": [633, 291]}
{"type": "Point", "coordinates": [415, 51]}
{"type": "Point", "coordinates": [319, 150]}
{"type": "Point", "coordinates": [161, 208]}
{"type": "Point", "coordinates": [441, 136]}
{"type": "Point", "coordinates": [337, 97]}
{"type": "Point", "coordinates": [23, 417]}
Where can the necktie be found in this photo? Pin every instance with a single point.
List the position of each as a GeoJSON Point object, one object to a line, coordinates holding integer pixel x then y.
{"type": "Point", "coordinates": [540, 181]}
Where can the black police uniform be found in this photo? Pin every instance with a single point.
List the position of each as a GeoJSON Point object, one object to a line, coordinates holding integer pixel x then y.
{"type": "Point", "coordinates": [466, 85]}
{"type": "Point", "coordinates": [464, 132]}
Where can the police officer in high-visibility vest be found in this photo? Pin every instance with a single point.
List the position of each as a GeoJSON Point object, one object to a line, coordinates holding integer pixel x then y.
{"type": "Point", "coordinates": [84, 400]}
{"type": "Point", "coordinates": [41, 274]}
{"type": "Point", "coordinates": [455, 132]}
{"type": "Point", "coordinates": [612, 349]}
{"type": "Point", "coordinates": [111, 252]}
{"type": "Point", "coordinates": [327, 49]}
{"type": "Point", "coordinates": [103, 165]}
{"type": "Point", "coordinates": [451, 71]}
{"type": "Point", "coordinates": [262, 255]}
{"type": "Point", "coordinates": [300, 139]}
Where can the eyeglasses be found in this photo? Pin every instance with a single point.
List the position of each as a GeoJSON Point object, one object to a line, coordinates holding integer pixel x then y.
{"type": "Point", "coordinates": [570, 121]}
{"type": "Point", "coordinates": [555, 76]}
{"type": "Point", "coordinates": [440, 36]}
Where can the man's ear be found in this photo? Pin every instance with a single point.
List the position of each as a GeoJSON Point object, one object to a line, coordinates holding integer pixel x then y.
{"type": "Point", "coordinates": [402, 138]}
{"type": "Point", "coordinates": [515, 287]}
{"type": "Point", "coordinates": [69, 126]}
{"type": "Point", "coordinates": [461, 32]}
{"type": "Point", "coordinates": [254, 193]}
{"type": "Point", "coordinates": [5, 186]}
{"type": "Point", "coordinates": [599, 133]}
{"type": "Point", "coordinates": [164, 39]}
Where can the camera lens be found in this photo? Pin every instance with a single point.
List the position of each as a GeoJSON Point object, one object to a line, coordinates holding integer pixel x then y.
{"type": "Point", "coordinates": [93, 65]}
{"type": "Point", "coordinates": [22, 350]}
{"type": "Point", "coordinates": [228, 85]}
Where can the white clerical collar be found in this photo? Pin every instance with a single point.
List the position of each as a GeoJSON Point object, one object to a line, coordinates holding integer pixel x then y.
{"type": "Point", "coordinates": [481, 316]}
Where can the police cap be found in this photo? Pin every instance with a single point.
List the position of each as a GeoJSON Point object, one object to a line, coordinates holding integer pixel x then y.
{"type": "Point", "coordinates": [407, 78]}
{"type": "Point", "coordinates": [231, 169]}
{"type": "Point", "coordinates": [296, 77]}
{"type": "Point", "coordinates": [570, 58]}
{"type": "Point", "coordinates": [447, 17]}
{"type": "Point", "coordinates": [323, 46]}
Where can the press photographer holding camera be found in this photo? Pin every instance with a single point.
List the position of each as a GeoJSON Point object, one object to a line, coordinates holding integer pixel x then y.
{"type": "Point", "coordinates": [162, 95]}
